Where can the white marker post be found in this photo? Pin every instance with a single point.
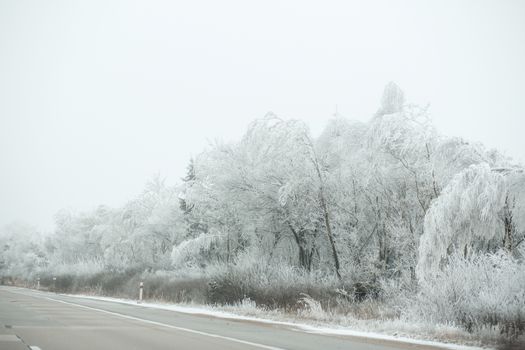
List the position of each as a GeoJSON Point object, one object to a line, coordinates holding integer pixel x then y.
{"type": "Point", "coordinates": [141, 291]}
{"type": "Point", "coordinates": [54, 284]}
{"type": "Point", "coordinates": [38, 283]}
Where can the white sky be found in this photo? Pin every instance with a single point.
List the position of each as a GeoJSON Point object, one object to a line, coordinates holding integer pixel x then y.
{"type": "Point", "coordinates": [98, 96]}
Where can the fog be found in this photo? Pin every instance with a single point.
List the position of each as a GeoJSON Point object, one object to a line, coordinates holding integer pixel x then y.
{"type": "Point", "coordinates": [97, 97]}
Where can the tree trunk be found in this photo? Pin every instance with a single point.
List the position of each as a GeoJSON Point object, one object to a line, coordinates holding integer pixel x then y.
{"type": "Point", "coordinates": [324, 207]}
{"type": "Point", "coordinates": [305, 255]}
{"type": "Point", "coordinates": [509, 226]}
{"type": "Point", "coordinates": [330, 237]}
{"type": "Point", "coordinates": [327, 219]}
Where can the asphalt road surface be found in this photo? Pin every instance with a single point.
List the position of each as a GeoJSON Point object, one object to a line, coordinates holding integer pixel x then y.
{"type": "Point", "coordinates": [39, 320]}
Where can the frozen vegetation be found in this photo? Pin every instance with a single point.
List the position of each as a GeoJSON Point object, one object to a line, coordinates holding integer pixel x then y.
{"type": "Point", "coordinates": [379, 223]}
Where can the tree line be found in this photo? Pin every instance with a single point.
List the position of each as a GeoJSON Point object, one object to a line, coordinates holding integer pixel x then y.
{"type": "Point", "coordinates": [367, 202]}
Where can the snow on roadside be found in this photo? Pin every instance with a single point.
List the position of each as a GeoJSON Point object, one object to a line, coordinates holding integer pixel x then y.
{"type": "Point", "coordinates": [211, 311]}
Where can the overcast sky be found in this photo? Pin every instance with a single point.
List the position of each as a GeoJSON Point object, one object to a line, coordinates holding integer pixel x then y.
{"type": "Point", "coordinates": [96, 97]}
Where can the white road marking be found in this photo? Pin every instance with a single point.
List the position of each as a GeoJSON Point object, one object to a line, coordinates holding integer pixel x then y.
{"type": "Point", "coordinates": [34, 347]}
{"type": "Point", "coordinates": [188, 330]}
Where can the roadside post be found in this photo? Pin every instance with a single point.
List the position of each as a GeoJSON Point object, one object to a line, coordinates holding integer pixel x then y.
{"type": "Point", "coordinates": [141, 291]}
{"type": "Point", "coordinates": [54, 284]}
{"type": "Point", "coordinates": [38, 283]}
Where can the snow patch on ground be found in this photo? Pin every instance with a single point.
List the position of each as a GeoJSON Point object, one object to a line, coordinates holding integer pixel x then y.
{"type": "Point", "coordinates": [211, 311]}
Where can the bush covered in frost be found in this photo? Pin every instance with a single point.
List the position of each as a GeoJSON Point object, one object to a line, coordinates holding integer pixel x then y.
{"type": "Point", "coordinates": [486, 290]}
{"type": "Point", "coordinates": [271, 286]}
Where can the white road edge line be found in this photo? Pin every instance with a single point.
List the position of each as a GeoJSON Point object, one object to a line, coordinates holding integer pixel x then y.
{"type": "Point", "coordinates": [33, 347]}
{"type": "Point", "coordinates": [188, 330]}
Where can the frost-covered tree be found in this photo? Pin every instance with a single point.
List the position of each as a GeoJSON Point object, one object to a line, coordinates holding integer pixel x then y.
{"type": "Point", "coordinates": [464, 218]}
{"type": "Point", "coordinates": [139, 234]}
{"type": "Point", "coordinates": [22, 251]}
{"type": "Point", "coordinates": [153, 224]}
{"type": "Point", "coordinates": [268, 187]}
{"type": "Point", "coordinates": [393, 99]}
{"type": "Point", "coordinates": [513, 212]}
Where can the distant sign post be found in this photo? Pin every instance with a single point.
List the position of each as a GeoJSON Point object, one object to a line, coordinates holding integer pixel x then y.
{"type": "Point", "coordinates": [141, 288]}
{"type": "Point", "coordinates": [54, 284]}
{"type": "Point", "coordinates": [38, 283]}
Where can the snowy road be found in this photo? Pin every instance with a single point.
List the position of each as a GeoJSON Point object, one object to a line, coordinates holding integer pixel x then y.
{"type": "Point", "coordinates": [37, 320]}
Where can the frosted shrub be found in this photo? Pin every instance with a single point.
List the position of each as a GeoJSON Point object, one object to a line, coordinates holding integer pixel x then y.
{"type": "Point", "coordinates": [397, 294]}
{"type": "Point", "coordinates": [311, 307]}
{"type": "Point", "coordinates": [247, 305]}
{"type": "Point", "coordinates": [268, 285]}
{"type": "Point", "coordinates": [483, 291]}
{"type": "Point", "coordinates": [174, 287]}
